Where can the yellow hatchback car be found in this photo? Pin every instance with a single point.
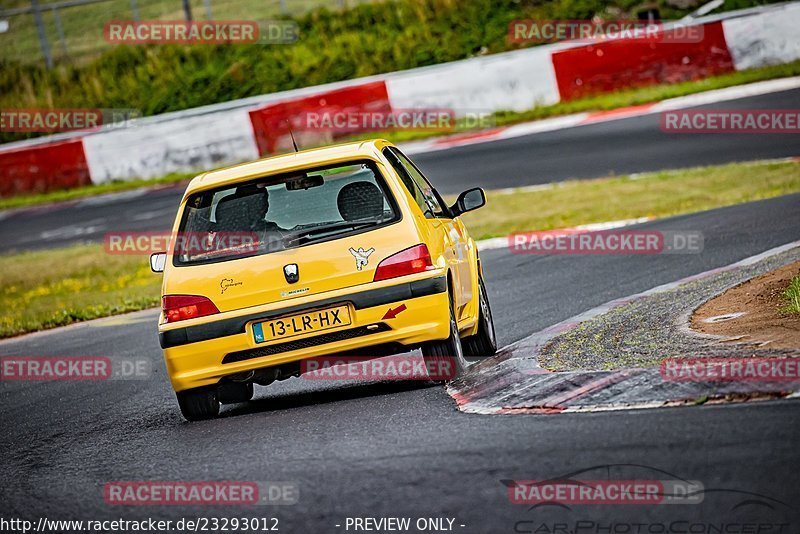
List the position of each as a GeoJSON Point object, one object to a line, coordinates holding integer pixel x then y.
{"type": "Point", "coordinates": [342, 250]}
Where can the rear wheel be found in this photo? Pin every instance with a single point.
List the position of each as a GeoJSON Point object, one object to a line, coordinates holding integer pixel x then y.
{"type": "Point", "coordinates": [483, 343]}
{"type": "Point", "coordinates": [445, 359]}
{"type": "Point", "coordinates": [198, 404]}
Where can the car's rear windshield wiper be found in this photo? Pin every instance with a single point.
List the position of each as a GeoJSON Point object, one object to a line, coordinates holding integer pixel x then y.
{"type": "Point", "coordinates": [312, 233]}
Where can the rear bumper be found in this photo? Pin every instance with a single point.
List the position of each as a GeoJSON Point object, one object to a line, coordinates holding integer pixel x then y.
{"type": "Point", "coordinates": [195, 354]}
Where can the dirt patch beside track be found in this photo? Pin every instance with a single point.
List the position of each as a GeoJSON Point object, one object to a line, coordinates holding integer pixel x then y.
{"type": "Point", "coordinates": [759, 301]}
{"type": "Point", "coordinates": [644, 331]}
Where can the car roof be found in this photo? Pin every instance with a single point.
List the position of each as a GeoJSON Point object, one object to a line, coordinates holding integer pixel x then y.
{"type": "Point", "coordinates": [286, 163]}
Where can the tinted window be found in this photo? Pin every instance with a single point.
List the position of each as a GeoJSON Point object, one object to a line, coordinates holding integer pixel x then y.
{"type": "Point", "coordinates": [416, 183]}
{"type": "Point", "coordinates": [289, 211]}
{"type": "Point", "coordinates": [412, 188]}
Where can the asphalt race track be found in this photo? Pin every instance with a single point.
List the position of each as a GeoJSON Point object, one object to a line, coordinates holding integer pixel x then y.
{"type": "Point", "coordinates": [402, 449]}
{"type": "Point", "coordinates": [623, 146]}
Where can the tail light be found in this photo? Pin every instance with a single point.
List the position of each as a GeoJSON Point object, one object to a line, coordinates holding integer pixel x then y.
{"type": "Point", "coordinates": [409, 261]}
{"type": "Point", "coordinates": [182, 307]}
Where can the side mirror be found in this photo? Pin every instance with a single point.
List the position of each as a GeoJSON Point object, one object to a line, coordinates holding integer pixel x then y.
{"type": "Point", "coordinates": [469, 200]}
{"type": "Point", "coordinates": [158, 261]}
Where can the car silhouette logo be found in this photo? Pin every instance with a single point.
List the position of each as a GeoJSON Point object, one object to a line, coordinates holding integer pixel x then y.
{"type": "Point", "coordinates": [291, 272]}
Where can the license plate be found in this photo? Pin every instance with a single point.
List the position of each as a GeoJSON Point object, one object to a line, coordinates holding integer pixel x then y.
{"type": "Point", "coordinates": [303, 323]}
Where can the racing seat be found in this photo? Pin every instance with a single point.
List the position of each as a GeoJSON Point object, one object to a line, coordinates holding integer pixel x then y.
{"type": "Point", "coordinates": [244, 211]}
{"type": "Point", "coordinates": [360, 200]}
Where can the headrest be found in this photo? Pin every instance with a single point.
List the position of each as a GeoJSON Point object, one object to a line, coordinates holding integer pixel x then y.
{"type": "Point", "coordinates": [243, 210]}
{"type": "Point", "coordinates": [360, 200]}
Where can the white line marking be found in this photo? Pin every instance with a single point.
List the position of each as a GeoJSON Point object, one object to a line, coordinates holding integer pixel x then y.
{"type": "Point", "coordinates": [111, 198]}
{"type": "Point", "coordinates": [502, 242]}
{"type": "Point", "coordinates": [526, 189]}
{"type": "Point", "coordinates": [729, 93]}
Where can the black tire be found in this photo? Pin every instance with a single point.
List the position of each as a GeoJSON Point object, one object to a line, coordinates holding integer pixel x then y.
{"type": "Point", "coordinates": [234, 392]}
{"type": "Point", "coordinates": [198, 404]}
{"type": "Point", "coordinates": [446, 355]}
{"type": "Point", "coordinates": [483, 343]}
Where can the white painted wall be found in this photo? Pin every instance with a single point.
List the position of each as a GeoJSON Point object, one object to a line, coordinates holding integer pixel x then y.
{"type": "Point", "coordinates": [516, 81]}
{"type": "Point", "coordinates": [191, 142]}
{"type": "Point", "coordinates": [154, 149]}
{"type": "Point", "coordinates": [187, 142]}
{"type": "Point", "coordinates": [768, 38]}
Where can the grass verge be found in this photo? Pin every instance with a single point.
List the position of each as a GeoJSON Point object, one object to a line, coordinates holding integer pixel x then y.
{"type": "Point", "coordinates": [52, 288]}
{"type": "Point", "coordinates": [630, 97]}
{"type": "Point", "coordinates": [792, 295]}
{"type": "Point", "coordinates": [334, 44]}
{"type": "Point", "coordinates": [657, 194]}
{"type": "Point", "coordinates": [46, 289]}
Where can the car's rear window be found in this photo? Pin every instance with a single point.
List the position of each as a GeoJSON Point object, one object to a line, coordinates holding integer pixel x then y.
{"type": "Point", "coordinates": [282, 212]}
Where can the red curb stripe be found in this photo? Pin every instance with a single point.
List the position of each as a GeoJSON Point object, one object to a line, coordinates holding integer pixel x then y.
{"type": "Point", "coordinates": [630, 111]}
{"type": "Point", "coordinates": [460, 399]}
{"type": "Point", "coordinates": [472, 136]}
{"type": "Point", "coordinates": [560, 399]}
